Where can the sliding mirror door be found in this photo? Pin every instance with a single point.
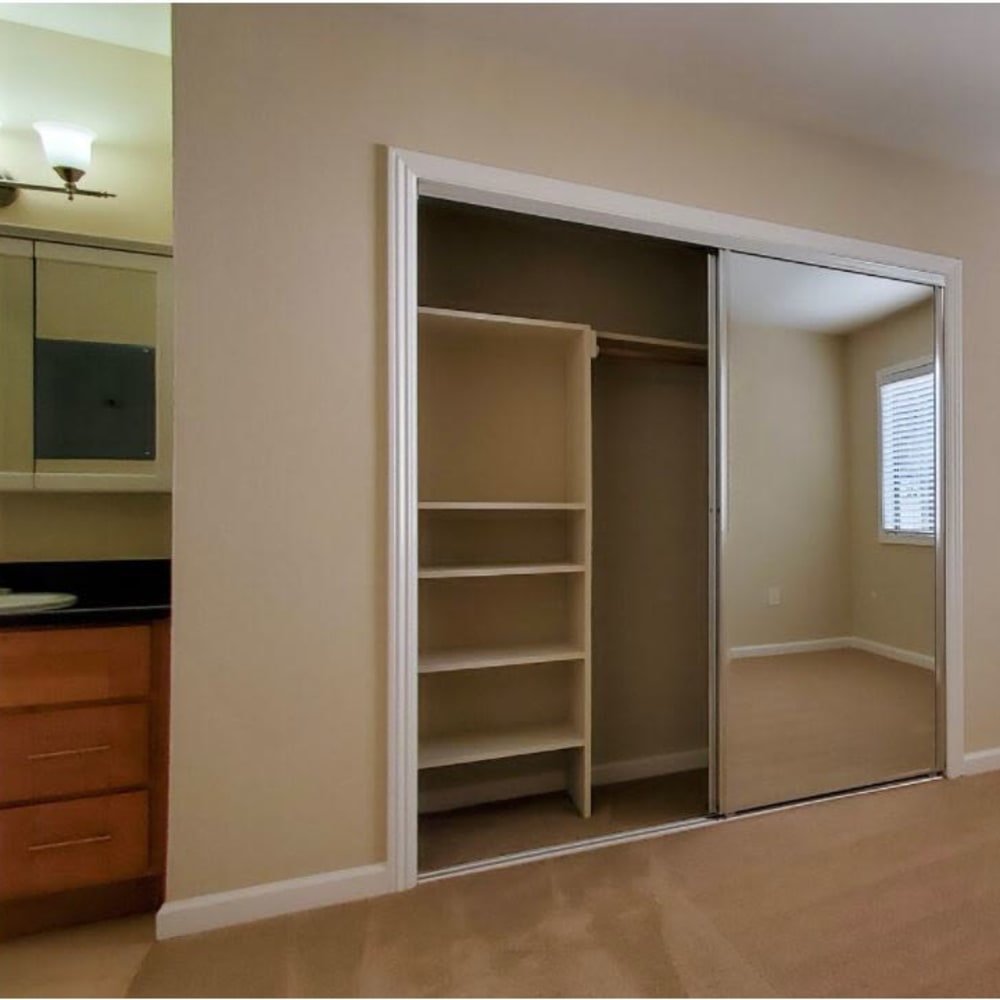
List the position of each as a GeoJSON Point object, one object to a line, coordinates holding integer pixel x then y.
{"type": "Point", "coordinates": [829, 532]}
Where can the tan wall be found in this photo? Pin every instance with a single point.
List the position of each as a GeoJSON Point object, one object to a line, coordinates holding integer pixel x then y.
{"type": "Point", "coordinates": [121, 93]}
{"type": "Point", "coordinates": [278, 757]}
{"type": "Point", "coordinates": [788, 515]}
{"type": "Point", "coordinates": [42, 526]}
{"type": "Point", "coordinates": [650, 583]}
{"type": "Point", "coordinates": [892, 586]}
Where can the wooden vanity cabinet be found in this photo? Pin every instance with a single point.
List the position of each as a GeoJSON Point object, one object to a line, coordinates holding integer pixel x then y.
{"type": "Point", "coordinates": [83, 750]}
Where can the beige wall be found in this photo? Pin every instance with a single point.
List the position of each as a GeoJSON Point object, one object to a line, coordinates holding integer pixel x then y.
{"type": "Point", "coordinates": [278, 759]}
{"type": "Point", "coordinates": [42, 526]}
{"type": "Point", "coordinates": [650, 580]}
{"type": "Point", "coordinates": [892, 586]}
{"type": "Point", "coordinates": [122, 94]}
{"type": "Point", "coordinates": [125, 95]}
{"type": "Point", "coordinates": [788, 514]}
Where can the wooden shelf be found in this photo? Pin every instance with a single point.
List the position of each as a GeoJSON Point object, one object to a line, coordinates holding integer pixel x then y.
{"type": "Point", "coordinates": [498, 656]}
{"type": "Point", "coordinates": [512, 569]}
{"type": "Point", "coordinates": [468, 748]}
{"type": "Point", "coordinates": [456, 321]}
{"type": "Point", "coordinates": [487, 505]}
{"type": "Point", "coordinates": [625, 345]}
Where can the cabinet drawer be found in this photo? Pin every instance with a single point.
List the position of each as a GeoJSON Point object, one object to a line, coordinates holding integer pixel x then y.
{"type": "Point", "coordinates": [66, 845]}
{"type": "Point", "coordinates": [49, 666]}
{"type": "Point", "coordinates": [72, 751]}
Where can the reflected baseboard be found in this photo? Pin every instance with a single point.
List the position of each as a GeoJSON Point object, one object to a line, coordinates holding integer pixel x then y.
{"type": "Point", "coordinates": [836, 642]}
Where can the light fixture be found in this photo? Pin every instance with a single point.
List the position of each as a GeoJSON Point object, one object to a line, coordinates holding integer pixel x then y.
{"type": "Point", "coordinates": [67, 148]}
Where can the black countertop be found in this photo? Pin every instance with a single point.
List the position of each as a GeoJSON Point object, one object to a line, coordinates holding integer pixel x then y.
{"type": "Point", "coordinates": [107, 591]}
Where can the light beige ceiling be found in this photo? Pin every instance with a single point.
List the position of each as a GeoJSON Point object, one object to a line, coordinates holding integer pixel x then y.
{"type": "Point", "coordinates": [924, 78]}
{"type": "Point", "coordinates": [144, 26]}
{"type": "Point", "coordinates": [779, 293]}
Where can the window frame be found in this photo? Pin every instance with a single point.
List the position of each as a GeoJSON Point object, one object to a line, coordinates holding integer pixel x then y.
{"type": "Point", "coordinates": [898, 373]}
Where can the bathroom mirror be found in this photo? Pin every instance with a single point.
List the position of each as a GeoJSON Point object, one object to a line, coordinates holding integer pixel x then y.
{"type": "Point", "coordinates": [829, 530]}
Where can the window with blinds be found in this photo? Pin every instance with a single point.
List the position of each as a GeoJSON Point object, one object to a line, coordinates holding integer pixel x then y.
{"type": "Point", "coordinates": [906, 437]}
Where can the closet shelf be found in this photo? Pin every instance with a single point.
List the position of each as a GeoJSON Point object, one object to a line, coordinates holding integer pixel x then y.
{"type": "Point", "coordinates": [468, 748]}
{"type": "Point", "coordinates": [498, 656]}
{"type": "Point", "coordinates": [458, 321]}
{"type": "Point", "coordinates": [511, 569]}
{"type": "Point", "coordinates": [626, 345]}
{"type": "Point", "coordinates": [495, 505]}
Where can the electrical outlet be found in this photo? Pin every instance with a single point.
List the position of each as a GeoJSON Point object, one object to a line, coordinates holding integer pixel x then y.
{"type": "Point", "coordinates": [774, 596]}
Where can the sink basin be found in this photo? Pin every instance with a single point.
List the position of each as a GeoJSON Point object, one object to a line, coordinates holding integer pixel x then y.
{"type": "Point", "coordinates": [19, 604]}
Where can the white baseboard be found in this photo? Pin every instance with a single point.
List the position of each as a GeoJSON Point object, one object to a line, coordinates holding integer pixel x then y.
{"type": "Point", "coordinates": [272, 899]}
{"type": "Point", "coordinates": [893, 652]}
{"type": "Point", "coordinates": [500, 790]}
{"type": "Point", "coordinates": [649, 767]}
{"type": "Point", "coordinates": [981, 761]}
{"type": "Point", "coordinates": [826, 645]}
{"type": "Point", "coordinates": [503, 789]}
{"type": "Point", "coordinates": [781, 648]}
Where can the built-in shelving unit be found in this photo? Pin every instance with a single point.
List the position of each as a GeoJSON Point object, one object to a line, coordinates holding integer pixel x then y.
{"type": "Point", "coordinates": [510, 569]}
{"type": "Point", "coordinates": [470, 748]}
{"type": "Point", "coordinates": [626, 345]}
{"type": "Point", "coordinates": [485, 505]}
{"type": "Point", "coordinates": [481, 658]}
{"type": "Point", "coordinates": [504, 541]}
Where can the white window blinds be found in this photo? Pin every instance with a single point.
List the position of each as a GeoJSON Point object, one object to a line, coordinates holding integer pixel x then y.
{"type": "Point", "coordinates": [906, 425]}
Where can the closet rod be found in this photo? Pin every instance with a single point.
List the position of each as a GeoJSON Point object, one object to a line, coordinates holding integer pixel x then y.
{"type": "Point", "coordinates": [622, 345]}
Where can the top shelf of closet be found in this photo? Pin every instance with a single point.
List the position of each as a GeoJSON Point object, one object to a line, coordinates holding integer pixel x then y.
{"type": "Point", "coordinates": [453, 321]}
{"type": "Point", "coordinates": [625, 345]}
{"type": "Point", "coordinates": [458, 505]}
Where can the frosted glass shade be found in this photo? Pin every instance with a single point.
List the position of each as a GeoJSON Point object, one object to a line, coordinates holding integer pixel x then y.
{"type": "Point", "coordinates": [66, 145]}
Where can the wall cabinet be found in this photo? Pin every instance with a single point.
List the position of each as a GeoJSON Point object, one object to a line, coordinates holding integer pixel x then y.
{"type": "Point", "coordinates": [85, 368]}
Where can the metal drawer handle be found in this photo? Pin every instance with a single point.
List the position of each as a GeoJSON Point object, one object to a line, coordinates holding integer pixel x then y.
{"type": "Point", "coordinates": [100, 839]}
{"type": "Point", "coordinates": [69, 753]}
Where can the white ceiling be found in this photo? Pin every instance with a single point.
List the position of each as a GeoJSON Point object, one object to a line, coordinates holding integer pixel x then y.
{"type": "Point", "coordinates": [765, 292]}
{"type": "Point", "coordinates": [143, 26]}
{"type": "Point", "coordinates": [924, 78]}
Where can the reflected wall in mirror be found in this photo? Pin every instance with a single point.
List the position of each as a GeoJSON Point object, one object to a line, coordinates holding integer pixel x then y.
{"type": "Point", "coordinates": [828, 578]}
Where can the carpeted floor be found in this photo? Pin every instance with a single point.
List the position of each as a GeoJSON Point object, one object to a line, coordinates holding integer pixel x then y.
{"type": "Point", "coordinates": [806, 724]}
{"type": "Point", "coordinates": [497, 828]}
{"type": "Point", "coordinates": [894, 893]}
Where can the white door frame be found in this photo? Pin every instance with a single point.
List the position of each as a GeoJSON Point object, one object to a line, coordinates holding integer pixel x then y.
{"type": "Point", "coordinates": [411, 174]}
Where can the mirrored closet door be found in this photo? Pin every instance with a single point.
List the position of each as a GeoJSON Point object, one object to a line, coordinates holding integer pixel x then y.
{"type": "Point", "coordinates": [829, 531]}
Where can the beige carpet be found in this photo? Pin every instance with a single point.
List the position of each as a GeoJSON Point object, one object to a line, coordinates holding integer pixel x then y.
{"type": "Point", "coordinates": [895, 893]}
{"type": "Point", "coordinates": [804, 724]}
{"type": "Point", "coordinates": [497, 828]}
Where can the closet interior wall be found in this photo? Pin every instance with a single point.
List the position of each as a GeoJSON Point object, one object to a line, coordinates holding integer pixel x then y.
{"type": "Point", "coordinates": [649, 680]}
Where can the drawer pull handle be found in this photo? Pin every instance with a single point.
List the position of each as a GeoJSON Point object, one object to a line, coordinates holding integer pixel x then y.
{"type": "Point", "coordinates": [51, 755]}
{"type": "Point", "coordinates": [55, 845]}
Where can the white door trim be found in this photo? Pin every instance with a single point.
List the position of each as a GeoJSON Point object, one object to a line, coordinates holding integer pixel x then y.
{"type": "Point", "coordinates": [411, 173]}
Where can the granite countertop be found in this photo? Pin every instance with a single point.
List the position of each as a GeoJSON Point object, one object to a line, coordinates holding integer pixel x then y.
{"type": "Point", "coordinates": [107, 591]}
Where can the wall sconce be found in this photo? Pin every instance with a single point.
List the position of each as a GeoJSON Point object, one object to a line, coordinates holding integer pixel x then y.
{"type": "Point", "coordinates": [67, 148]}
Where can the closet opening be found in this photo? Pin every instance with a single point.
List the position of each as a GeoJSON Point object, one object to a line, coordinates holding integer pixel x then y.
{"type": "Point", "coordinates": [563, 533]}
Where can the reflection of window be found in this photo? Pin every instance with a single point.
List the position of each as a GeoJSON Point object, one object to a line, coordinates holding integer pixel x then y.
{"type": "Point", "coordinates": [906, 452]}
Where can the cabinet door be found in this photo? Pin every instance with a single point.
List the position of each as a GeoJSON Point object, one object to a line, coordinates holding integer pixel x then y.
{"type": "Point", "coordinates": [16, 363]}
{"type": "Point", "coordinates": [102, 374]}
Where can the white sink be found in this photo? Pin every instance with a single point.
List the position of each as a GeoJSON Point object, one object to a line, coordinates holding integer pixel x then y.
{"type": "Point", "coordinates": [18, 604]}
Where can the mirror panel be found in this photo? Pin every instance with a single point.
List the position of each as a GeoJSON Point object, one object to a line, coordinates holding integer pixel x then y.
{"type": "Point", "coordinates": [828, 569]}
